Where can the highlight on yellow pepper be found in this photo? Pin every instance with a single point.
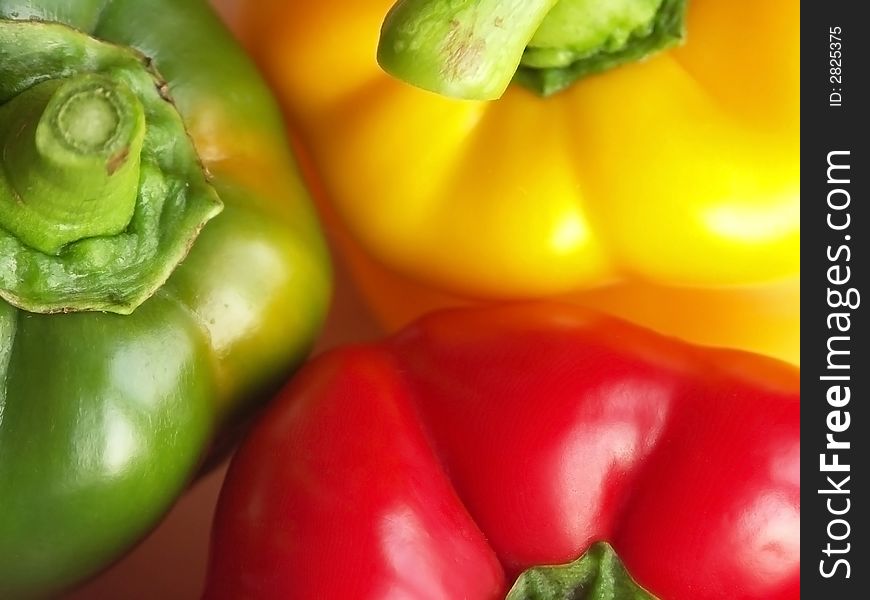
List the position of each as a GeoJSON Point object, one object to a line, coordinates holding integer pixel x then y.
{"type": "Point", "coordinates": [664, 190]}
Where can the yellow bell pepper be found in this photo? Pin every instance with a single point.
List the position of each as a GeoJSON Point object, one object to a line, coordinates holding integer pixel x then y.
{"type": "Point", "coordinates": [665, 191]}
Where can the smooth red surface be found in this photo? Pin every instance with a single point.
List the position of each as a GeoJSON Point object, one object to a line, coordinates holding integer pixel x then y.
{"type": "Point", "coordinates": [477, 443]}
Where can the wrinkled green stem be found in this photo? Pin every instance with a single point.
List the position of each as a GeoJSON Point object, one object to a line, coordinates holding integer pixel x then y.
{"type": "Point", "coordinates": [597, 575]}
{"type": "Point", "coordinates": [102, 193]}
{"type": "Point", "coordinates": [474, 48]}
{"type": "Point", "coordinates": [71, 152]}
{"type": "Point", "coordinates": [462, 49]}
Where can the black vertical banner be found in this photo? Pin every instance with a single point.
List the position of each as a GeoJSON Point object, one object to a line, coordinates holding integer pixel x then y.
{"type": "Point", "coordinates": [835, 366]}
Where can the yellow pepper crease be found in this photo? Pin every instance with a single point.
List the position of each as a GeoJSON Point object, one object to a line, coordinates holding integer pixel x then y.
{"type": "Point", "coordinates": [676, 175]}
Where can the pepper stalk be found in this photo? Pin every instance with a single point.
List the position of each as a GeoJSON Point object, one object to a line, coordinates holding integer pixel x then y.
{"type": "Point", "coordinates": [102, 193]}
{"type": "Point", "coordinates": [597, 575]}
{"type": "Point", "coordinates": [72, 150]}
{"type": "Point", "coordinates": [473, 49]}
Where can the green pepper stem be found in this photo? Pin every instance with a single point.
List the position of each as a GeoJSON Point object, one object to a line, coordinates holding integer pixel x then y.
{"type": "Point", "coordinates": [462, 49]}
{"type": "Point", "coordinates": [102, 194]}
{"type": "Point", "coordinates": [71, 153]}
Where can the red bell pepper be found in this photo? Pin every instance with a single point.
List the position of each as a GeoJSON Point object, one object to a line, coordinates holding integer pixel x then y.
{"type": "Point", "coordinates": [445, 461]}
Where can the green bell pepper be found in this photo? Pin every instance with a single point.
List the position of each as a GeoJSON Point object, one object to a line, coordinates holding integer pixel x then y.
{"type": "Point", "coordinates": [161, 270]}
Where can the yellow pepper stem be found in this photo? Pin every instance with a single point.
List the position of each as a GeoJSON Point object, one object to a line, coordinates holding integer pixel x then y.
{"type": "Point", "coordinates": [474, 49]}
{"type": "Point", "coordinates": [466, 49]}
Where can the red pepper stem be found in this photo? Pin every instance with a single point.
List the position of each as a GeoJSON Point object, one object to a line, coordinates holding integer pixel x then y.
{"type": "Point", "coordinates": [597, 575]}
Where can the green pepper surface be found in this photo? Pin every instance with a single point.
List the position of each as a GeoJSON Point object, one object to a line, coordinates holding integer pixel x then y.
{"type": "Point", "coordinates": [160, 270]}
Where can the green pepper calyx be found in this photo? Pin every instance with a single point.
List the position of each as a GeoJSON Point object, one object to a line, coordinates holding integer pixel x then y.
{"type": "Point", "coordinates": [101, 191]}
{"type": "Point", "coordinates": [473, 49]}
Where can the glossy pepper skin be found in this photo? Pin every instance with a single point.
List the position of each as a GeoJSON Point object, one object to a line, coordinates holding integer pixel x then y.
{"type": "Point", "coordinates": [477, 443]}
{"type": "Point", "coordinates": [105, 417]}
{"type": "Point", "coordinates": [671, 182]}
